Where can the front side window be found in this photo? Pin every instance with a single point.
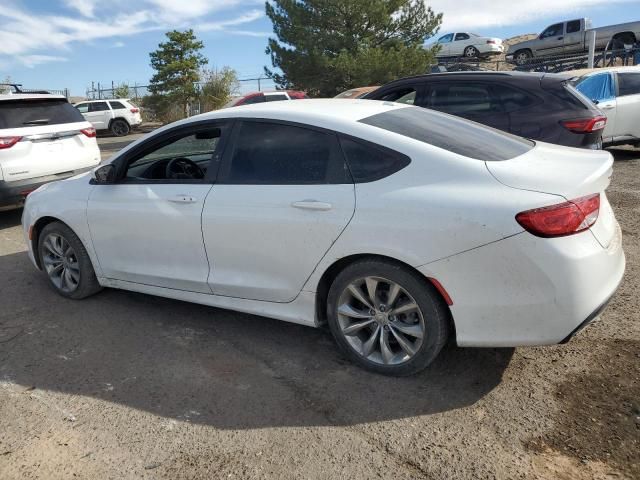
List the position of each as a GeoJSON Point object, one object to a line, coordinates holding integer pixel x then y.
{"type": "Point", "coordinates": [277, 154]}
{"type": "Point", "coordinates": [451, 133]}
{"type": "Point", "coordinates": [552, 31]}
{"type": "Point", "coordinates": [462, 98]}
{"type": "Point", "coordinates": [462, 36]}
{"type": "Point", "coordinates": [406, 95]}
{"type": "Point", "coordinates": [185, 157]}
{"type": "Point", "coordinates": [597, 88]}
{"type": "Point", "coordinates": [98, 106]}
{"type": "Point", "coordinates": [628, 83]}
{"type": "Point", "coordinates": [369, 162]}
{"type": "Point", "coordinates": [446, 38]}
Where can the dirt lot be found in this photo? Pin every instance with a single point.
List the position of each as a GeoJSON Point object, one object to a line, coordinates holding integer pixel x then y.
{"type": "Point", "coordinates": [124, 385]}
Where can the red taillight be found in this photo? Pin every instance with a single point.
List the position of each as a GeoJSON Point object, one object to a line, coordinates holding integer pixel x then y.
{"type": "Point", "coordinates": [8, 142]}
{"type": "Point", "coordinates": [562, 219]}
{"type": "Point", "coordinates": [89, 132]}
{"type": "Point", "coordinates": [134, 110]}
{"type": "Point", "coordinates": [585, 125]}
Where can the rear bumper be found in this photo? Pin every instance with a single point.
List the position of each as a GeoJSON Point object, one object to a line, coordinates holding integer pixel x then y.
{"type": "Point", "coordinates": [526, 290]}
{"type": "Point", "coordinates": [13, 194]}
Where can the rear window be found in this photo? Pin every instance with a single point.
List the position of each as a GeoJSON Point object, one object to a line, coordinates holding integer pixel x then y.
{"type": "Point", "coordinates": [451, 133]}
{"type": "Point", "coordinates": [117, 105]}
{"type": "Point", "coordinates": [29, 113]}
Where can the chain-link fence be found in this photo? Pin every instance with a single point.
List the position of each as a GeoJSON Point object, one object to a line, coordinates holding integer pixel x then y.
{"type": "Point", "coordinates": [10, 88]}
{"type": "Point", "coordinates": [550, 64]}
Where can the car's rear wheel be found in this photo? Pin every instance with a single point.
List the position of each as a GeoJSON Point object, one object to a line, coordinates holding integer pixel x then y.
{"type": "Point", "coordinates": [66, 262]}
{"type": "Point", "coordinates": [120, 127]}
{"type": "Point", "coordinates": [471, 52]}
{"type": "Point", "coordinates": [387, 318]}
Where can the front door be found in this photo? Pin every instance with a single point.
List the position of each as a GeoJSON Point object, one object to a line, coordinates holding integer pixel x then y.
{"type": "Point", "coordinates": [601, 90]}
{"type": "Point", "coordinates": [146, 228]}
{"type": "Point", "coordinates": [551, 41]}
{"type": "Point", "coordinates": [628, 104]}
{"type": "Point", "coordinates": [283, 197]}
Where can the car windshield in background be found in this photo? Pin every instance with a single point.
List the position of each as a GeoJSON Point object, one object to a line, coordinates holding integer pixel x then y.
{"type": "Point", "coordinates": [451, 133]}
{"type": "Point", "coordinates": [29, 113]}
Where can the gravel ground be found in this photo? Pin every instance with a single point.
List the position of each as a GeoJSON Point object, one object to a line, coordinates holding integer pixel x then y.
{"type": "Point", "coordinates": [124, 385]}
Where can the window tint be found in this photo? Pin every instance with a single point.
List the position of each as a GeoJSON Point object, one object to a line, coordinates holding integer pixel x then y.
{"type": "Point", "coordinates": [462, 36]}
{"type": "Point", "coordinates": [573, 26]}
{"type": "Point", "coordinates": [462, 98]}
{"type": "Point", "coordinates": [275, 154]}
{"type": "Point", "coordinates": [628, 84]}
{"type": "Point", "coordinates": [27, 113]}
{"type": "Point", "coordinates": [254, 99]}
{"type": "Point", "coordinates": [196, 146]}
{"type": "Point", "coordinates": [369, 162]}
{"type": "Point", "coordinates": [597, 88]}
{"type": "Point", "coordinates": [275, 98]}
{"type": "Point", "coordinates": [450, 133]}
{"type": "Point", "coordinates": [552, 31]}
{"type": "Point", "coordinates": [83, 107]}
{"type": "Point", "coordinates": [512, 99]}
{"type": "Point", "coordinates": [98, 106]}
{"type": "Point", "coordinates": [446, 38]}
{"type": "Point", "coordinates": [117, 105]}
{"type": "Point", "coordinates": [406, 95]}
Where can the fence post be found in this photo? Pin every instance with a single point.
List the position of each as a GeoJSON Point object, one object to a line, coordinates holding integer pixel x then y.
{"type": "Point", "coordinates": [591, 35]}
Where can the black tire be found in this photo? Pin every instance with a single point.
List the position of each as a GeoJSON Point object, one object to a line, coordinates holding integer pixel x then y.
{"type": "Point", "coordinates": [522, 57]}
{"type": "Point", "coordinates": [87, 284]}
{"type": "Point", "coordinates": [120, 127]}
{"type": "Point", "coordinates": [432, 307]}
{"type": "Point", "coordinates": [471, 52]}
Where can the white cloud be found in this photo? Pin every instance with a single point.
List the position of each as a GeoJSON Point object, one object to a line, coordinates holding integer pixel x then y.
{"type": "Point", "coordinates": [470, 14]}
{"type": "Point", "coordinates": [223, 24]}
{"type": "Point", "coordinates": [31, 61]}
{"type": "Point", "coordinates": [84, 7]}
{"type": "Point", "coordinates": [118, 44]}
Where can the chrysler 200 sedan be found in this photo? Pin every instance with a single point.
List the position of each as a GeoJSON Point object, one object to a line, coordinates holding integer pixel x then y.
{"type": "Point", "coordinates": [398, 226]}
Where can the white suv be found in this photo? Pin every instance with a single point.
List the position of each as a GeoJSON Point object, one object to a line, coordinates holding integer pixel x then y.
{"type": "Point", "coordinates": [42, 139]}
{"type": "Point", "coordinates": [117, 115]}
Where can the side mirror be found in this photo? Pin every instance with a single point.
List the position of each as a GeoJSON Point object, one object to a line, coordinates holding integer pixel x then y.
{"type": "Point", "coordinates": [104, 175]}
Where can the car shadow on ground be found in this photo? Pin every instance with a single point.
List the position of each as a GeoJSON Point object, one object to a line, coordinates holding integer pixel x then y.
{"type": "Point", "coordinates": [211, 366]}
{"type": "Point", "coordinates": [623, 154]}
{"type": "Point", "coordinates": [10, 218]}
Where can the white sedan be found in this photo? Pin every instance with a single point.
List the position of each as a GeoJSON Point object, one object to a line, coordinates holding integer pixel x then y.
{"type": "Point", "coordinates": [400, 227]}
{"type": "Point", "coordinates": [468, 45]}
{"type": "Point", "coordinates": [616, 91]}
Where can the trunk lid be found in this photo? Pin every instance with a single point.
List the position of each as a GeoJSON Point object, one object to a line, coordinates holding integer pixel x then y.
{"type": "Point", "coordinates": [568, 172]}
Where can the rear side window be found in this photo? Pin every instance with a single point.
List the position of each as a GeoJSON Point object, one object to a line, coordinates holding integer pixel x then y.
{"type": "Point", "coordinates": [276, 154]}
{"type": "Point", "coordinates": [117, 105]}
{"type": "Point", "coordinates": [275, 98]}
{"type": "Point", "coordinates": [451, 133]}
{"type": "Point", "coordinates": [512, 99]}
{"type": "Point", "coordinates": [573, 26]}
{"type": "Point", "coordinates": [369, 162]}
{"type": "Point", "coordinates": [628, 84]}
{"type": "Point", "coordinates": [98, 106]}
{"type": "Point", "coordinates": [29, 113]}
{"type": "Point", "coordinates": [462, 98]}
{"type": "Point", "coordinates": [462, 36]}
{"type": "Point", "coordinates": [254, 99]}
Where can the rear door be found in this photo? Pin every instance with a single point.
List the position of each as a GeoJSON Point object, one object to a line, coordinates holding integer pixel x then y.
{"type": "Point", "coordinates": [99, 115]}
{"type": "Point", "coordinates": [49, 138]}
{"type": "Point", "coordinates": [473, 100]}
{"type": "Point", "coordinates": [283, 197]}
{"type": "Point", "coordinates": [460, 42]}
{"type": "Point", "coordinates": [573, 36]}
{"type": "Point", "coordinates": [628, 104]}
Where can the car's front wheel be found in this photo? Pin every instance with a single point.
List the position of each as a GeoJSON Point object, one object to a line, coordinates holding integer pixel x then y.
{"type": "Point", "coordinates": [387, 318]}
{"type": "Point", "coordinates": [66, 262]}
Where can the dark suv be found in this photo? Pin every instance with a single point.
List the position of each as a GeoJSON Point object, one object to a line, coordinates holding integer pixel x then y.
{"type": "Point", "coordinates": [534, 105]}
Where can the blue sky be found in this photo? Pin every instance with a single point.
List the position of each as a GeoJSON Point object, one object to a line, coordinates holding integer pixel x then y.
{"type": "Point", "coordinates": [70, 43]}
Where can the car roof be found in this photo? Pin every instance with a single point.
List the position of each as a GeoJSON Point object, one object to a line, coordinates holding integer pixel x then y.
{"type": "Point", "coordinates": [31, 96]}
{"type": "Point", "coordinates": [590, 71]}
{"type": "Point", "coordinates": [482, 73]}
{"type": "Point", "coordinates": [104, 100]}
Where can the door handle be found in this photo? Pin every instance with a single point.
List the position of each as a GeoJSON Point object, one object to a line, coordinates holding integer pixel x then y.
{"type": "Point", "coordinates": [183, 198]}
{"type": "Point", "coordinates": [312, 205]}
{"type": "Point", "coordinates": [606, 107]}
{"type": "Point", "coordinates": [560, 38]}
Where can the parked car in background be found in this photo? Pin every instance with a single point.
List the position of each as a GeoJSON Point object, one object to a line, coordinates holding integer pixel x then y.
{"type": "Point", "coordinates": [357, 92]}
{"type": "Point", "coordinates": [532, 105]}
{"type": "Point", "coordinates": [399, 226]}
{"type": "Point", "coordinates": [42, 139]}
{"type": "Point", "coordinates": [118, 116]}
{"type": "Point", "coordinates": [571, 37]}
{"type": "Point", "coordinates": [261, 97]}
{"type": "Point", "coordinates": [469, 45]}
{"type": "Point", "coordinates": [616, 91]}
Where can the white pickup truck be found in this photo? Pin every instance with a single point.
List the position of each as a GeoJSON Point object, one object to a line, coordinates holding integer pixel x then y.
{"type": "Point", "coordinates": [118, 116]}
{"type": "Point", "coordinates": [571, 37]}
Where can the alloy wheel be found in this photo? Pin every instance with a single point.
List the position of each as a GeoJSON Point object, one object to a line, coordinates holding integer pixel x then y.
{"type": "Point", "coordinates": [61, 263]}
{"type": "Point", "coordinates": [381, 321]}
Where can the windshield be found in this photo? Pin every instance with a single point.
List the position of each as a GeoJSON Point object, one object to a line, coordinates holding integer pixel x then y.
{"type": "Point", "coordinates": [451, 133]}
